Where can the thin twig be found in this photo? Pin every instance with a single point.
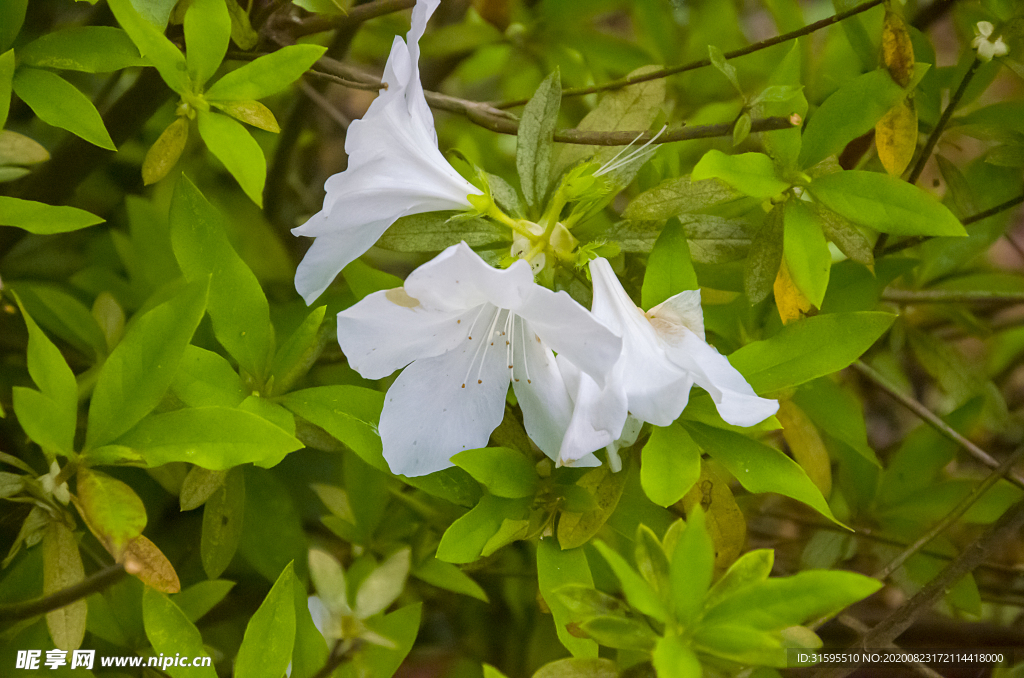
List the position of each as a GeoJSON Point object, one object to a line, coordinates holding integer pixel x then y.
{"type": "Point", "coordinates": [693, 65]}
{"type": "Point", "coordinates": [854, 624]}
{"type": "Point", "coordinates": [933, 420]}
{"type": "Point", "coordinates": [951, 517]}
{"type": "Point", "coordinates": [949, 296]}
{"type": "Point", "coordinates": [326, 106]}
{"type": "Point", "coordinates": [99, 581]}
{"type": "Point", "coordinates": [318, 23]}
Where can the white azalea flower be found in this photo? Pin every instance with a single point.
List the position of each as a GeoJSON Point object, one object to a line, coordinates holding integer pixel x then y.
{"type": "Point", "coordinates": [663, 355]}
{"type": "Point", "coordinates": [394, 169]}
{"type": "Point", "coordinates": [468, 329]}
{"type": "Point", "coordinates": [986, 48]}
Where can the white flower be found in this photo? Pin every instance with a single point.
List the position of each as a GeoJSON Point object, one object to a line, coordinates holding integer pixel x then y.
{"type": "Point", "coordinates": [468, 329]}
{"type": "Point", "coordinates": [394, 169]}
{"type": "Point", "coordinates": [986, 48]}
{"type": "Point", "coordinates": [663, 355]}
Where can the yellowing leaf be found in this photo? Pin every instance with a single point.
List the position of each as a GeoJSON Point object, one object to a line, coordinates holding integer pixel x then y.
{"type": "Point", "coordinates": [806, 445]}
{"type": "Point", "coordinates": [791, 302]}
{"type": "Point", "coordinates": [723, 518]}
{"type": "Point", "coordinates": [897, 50]}
{"type": "Point", "coordinates": [111, 510]}
{"type": "Point", "coordinates": [896, 137]}
{"type": "Point", "coordinates": [144, 560]}
{"type": "Point", "coordinates": [62, 567]}
{"type": "Point", "coordinates": [165, 151]}
{"type": "Point", "coordinates": [251, 112]}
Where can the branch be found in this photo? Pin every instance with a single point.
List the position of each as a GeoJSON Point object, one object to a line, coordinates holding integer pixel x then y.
{"type": "Point", "coordinates": [856, 625]}
{"type": "Point", "coordinates": [99, 581]}
{"type": "Point", "coordinates": [966, 221]}
{"type": "Point", "coordinates": [902, 618]}
{"type": "Point", "coordinates": [318, 23]}
{"type": "Point", "coordinates": [693, 65]}
{"type": "Point", "coordinates": [933, 420]}
{"type": "Point", "coordinates": [949, 296]}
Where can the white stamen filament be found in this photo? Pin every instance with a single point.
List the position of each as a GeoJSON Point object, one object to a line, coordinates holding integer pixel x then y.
{"type": "Point", "coordinates": [482, 346]}
{"type": "Point", "coordinates": [612, 165]}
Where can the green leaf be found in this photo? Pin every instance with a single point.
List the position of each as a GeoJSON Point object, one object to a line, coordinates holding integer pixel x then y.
{"type": "Point", "coordinates": [401, 628]}
{"type": "Point", "coordinates": [670, 465]}
{"type": "Point", "coordinates": [576, 529]}
{"type": "Point", "coordinates": [775, 604]}
{"type": "Point", "coordinates": [504, 472]}
{"type": "Point", "coordinates": [12, 16]}
{"type": "Point", "coordinates": [809, 349]}
{"type": "Point", "coordinates": [750, 568]}
{"type": "Point", "coordinates": [213, 437]}
{"type": "Point", "coordinates": [743, 644]}
{"type": "Point", "coordinates": [310, 653]}
{"type": "Point", "coordinates": [172, 634]}
{"type": "Point", "coordinates": [267, 75]}
{"type": "Point", "coordinates": [250, 112]}
{"type": "Point", "coordinates": [237, 305]}
{"type": "Point", "coordinates": [681, 195]}
{"type": "Point", "coordinates": [752, 174]}
{"type": "Point", "coordinates": [651, 560]}
{"type": "Point", "coordinates": [884, 203]}
{"type": "Point", "coordinates": [557, 568]}
{"type": "Point", "coordinates": [62, 567]}
{"type": "Point", "coordinates": [163, 155]}
{"type": "Point", "coordinates": [758, 467]}
{"type": "Point", "coordinates": [207, 32]}
{"type": "Point", "coordinates": [241, 30]}
{"type": "Point", "coordinates": [447, 576]}
{"type": "Point", "coordinates": [534, 141]}
{"type": "Point", "coordinates": [673, 658]}
{"type": "Point", "coordinates": [298, 353]}
{"type": "Point", "coordinates": [838, 413]}
{"type": "Point", "coordinates": [574, 667]}
{"type": "Point", "coordinates": [724, 67]}
{"type": "Point", "coordinates": [465, 539]}
{"type": "Point", "coordinates": [383, 585]}
{"type": "Point", "coordinates": [348, 413]}
{"type": "Point", "coordinates": [197, 487]}
{"type": "Point", "coordinates": [42, 219]}
{"type": "Point", "coordinates": [807, 255]}
{"type": "Point", "coordinates": [53, 411]}
{"type": "Point", "coordinates": [434, 231]}
{"type": "Point", "coordinates": [511, 529]}
{"type": "Point", "coordinates": [329, 580]}
{"type": "Point", "coordinates": [234, 146]}
{"type": "Point", "coordinates": [205, 378]}
{"type": "Point", "coordinates": [139, 370]}
{"type": "Point", "coordinates": [153, 45]}
{"type": "Point", "coordinates": [91, 49]}
{"type": "Point", "coordinates": [638, 592]}
{"type": "Point", "coordinates": [7, 64]}
{"type": "Point", "coordinates": [111, 508]}
{"type": "Point", "coordinates": [692, 566]}
{"type": "Point", "coordinates": [271, 518]}
{"type": "Point", "coordinates": [621, 633]}
{"type": "Point", "coordinates": [59, 103]}
{"type": "Point", "coordinates": [64, 315]}
{"type": "Point", "coordinates": [363, 279]}
{"type": "Point", "coordinates": [669, 269]}
{"type": "Point", "coordinates": [223, 517]}
{"type": "Point", "coordinates": [201, 597]}
{"type": "Point", "coordinates": [849, 112]}
{"type": "Point", "coordinates": [765, 257]}
{"type": "Point", "coordinates": [266, 648]}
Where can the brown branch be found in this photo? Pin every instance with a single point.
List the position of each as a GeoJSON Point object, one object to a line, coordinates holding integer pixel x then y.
{"type": "Point", "coordinates": [99, 581]}
{"type": "Point", "coordinates": [933, 420]}
{"type": "Point", "coordinates": [856, 625]}
{"type": "Point", "coordinates": [886, 631]}
{"type": "Point", "coordinates": [318, 23]}
{"type": "Point", "coordinates": [693, 65]}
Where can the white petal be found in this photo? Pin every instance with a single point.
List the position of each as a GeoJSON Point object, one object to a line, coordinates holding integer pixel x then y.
{"type": "Point", "coordinates": [735, 399]}
{"type": "Point", "coordinates": [459, 278]}
{"type": "Point", "coordinates": [330, 253]}
{"type": "Point", "coordinates": [382, 333]}
{"type": "Point", "coordinates": [597, 419]}
{"type": "Point", "coordinates": [683, 309]}
{"type": "Point", "coordinates": [322, 618]}
{"type": "Point", "coordinates": [539, 389]}
{"type": "Point", "coordinates": [443, 405]}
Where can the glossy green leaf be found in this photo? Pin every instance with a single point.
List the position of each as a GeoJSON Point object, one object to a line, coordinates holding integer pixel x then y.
{"type": "Point", "coordinates": [849, 112]}
{"type": "Point", "coordinates": [447, 576]}
{"type": "Point", "coordinates": [43, 219]}
{"type": "Point", "coordinates": [401, 628]}
{"type": "Point", "coordinates": [140, 369]}
{"type": "Point", "coordinates": [465, 539]}
{"type": "Point", "coordinates": [153, 45]}
{"type": "Point", "coordinates": [884, 203]}
{"type": "Point", "coordinates": [809, 349]}
{"type": "Point", "coordinates": [764, 257]}
{"type": "Point", "coordinates": [64, 315]}
{"type": "Point", "coordinates": [806, 252]}
{"type": "Point", "coordinates": [670, 464]}
{"type": "Point", "coordinates": [638, 592]}
{"type": "Point", "coordinates": [573, 667]}
{"type": "Point", "coordinates": [91, 49]}
{"type": "Point", "coordinates": [363, 279]}
{"type": "Point", "coordinates": [223, 518]}
{"type": "Point", "coordinates": [681, 195]}
{"type": "Point", "coordinates": [198, 599]}
{"type": "Point", "coordinates": [267, 75]}
{"type": "Point", "coordinates": [576, 529]}
{"type": "Point", "coordinates": [837, 412]}
{"type": "Point", "coordinates": [298, 353]}
{"type": "Point", "coordinates": [62, 567]}
{"type": "Point", "coordinates": [752, 174]}
{"type": "Point", "coordinates": [383, 585]}
{"type": "Point", "coordinates": [673, 658]}
{"type": "Point", "coordinates": [350, 414]}
{"type": "Point", "coordinates": [172, 634]}
{"type": "Point", "coordinates": [669, 268]}
{"type": "Point", "coordinates": [621, 633]}
{"type": "Point", "coordinates": [310, 653]}
{"type": "Point", "coordinates": [693, 565]}
{"type": "Point", "coordinates": [557, 568]}
{"type": "Point", "coordinates": [271, 518]}
{"type": "Point", "coordinates": [207, 33]}
{"type": "Point", "coordinates": [266, 648]}
{"type": "Point", "coordinates": [232, 144]}
{"type": "Point", "coordinates": [12, 15]}
{"type": "Point", "coordinates": [112, 509]}
{"type": "Point", "coordinates": [750, 568]}
{"type": "Point", "coordinates": [237, 305]}
{"type": "Point", "coordinates": [205, 378]}
{"type": "Point", "coordinates": [758, 467]}
{"type": "Point", "coordinates": [434, 231]}
{"type": "Point", "coordinates": [784, 145]}
{"type": "Point", "coordinates": [59, 103]}
{"type": "Point", "coordinates": [504, 472]}
{"type": "Point", "coordinates": [213, 437]}
{"type": "Point", "coordinates": [534, 141]}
